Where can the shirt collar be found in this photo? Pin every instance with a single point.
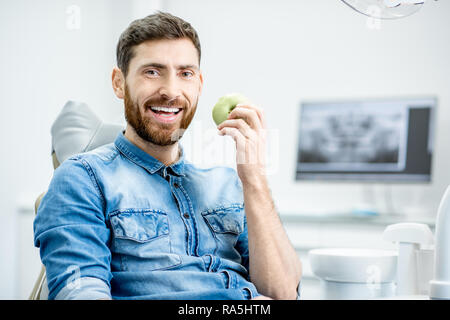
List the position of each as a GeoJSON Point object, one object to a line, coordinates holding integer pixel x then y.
{"type": "Point", "coordinates": [143, 159]}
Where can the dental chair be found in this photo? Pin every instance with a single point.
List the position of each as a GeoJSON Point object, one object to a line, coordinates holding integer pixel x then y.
{"type": "Point", "coordinates": [77, 129]}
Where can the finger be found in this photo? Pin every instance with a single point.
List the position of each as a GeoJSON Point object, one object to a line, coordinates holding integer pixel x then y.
{"type": "Point", "coordinates": [258, 110]}
{"type": "Point", "coordinates": [247, 149]}
{"type": "Point", "coordinates": [239, 124]}
{"type": "Point", "coordinates": [249, 115]}
{"type": "Point", "coordinates": [236, 135]}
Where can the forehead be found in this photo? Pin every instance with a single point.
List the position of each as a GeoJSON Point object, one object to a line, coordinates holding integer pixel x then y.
{"type": "Point", "coordinates": [165, 51]}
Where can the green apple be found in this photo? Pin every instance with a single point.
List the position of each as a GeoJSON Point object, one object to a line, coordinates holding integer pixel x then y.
{"type": "Point", "coordinates": [225, 105]}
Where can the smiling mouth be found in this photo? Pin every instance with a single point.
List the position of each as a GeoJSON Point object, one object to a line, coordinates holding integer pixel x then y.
{"type": "Point", "coordinates": [165, 110]}
{"type": "Point", "coordinates": [165, 114]}
{"type": "Point", "coordinates": [168, 111]}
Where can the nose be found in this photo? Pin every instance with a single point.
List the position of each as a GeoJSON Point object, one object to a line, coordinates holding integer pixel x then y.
{"type": "Point", "coordinates": [169, 88]}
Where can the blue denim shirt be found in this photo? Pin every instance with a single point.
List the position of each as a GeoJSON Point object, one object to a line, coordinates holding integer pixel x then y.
{"type": "Point", "coordinates": [117, 223]}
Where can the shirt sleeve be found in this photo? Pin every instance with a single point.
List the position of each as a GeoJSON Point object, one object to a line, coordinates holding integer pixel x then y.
{"type": "Point", "coordinates": [84, 289]}
{"type": "Point", "coordinates": [242, 247]}
{"type": "Point", "coordinates": [242, 242]}
{"type": "Point", "coordinates": [71, 231]}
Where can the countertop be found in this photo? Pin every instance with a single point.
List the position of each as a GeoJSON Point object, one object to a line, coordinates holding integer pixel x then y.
{"type": "Point", "coordinates": [342, 218]}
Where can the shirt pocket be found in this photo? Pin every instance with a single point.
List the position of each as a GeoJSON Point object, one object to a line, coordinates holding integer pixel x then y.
{"type": "Point", "coordinates": [141, 240]}
{"type": "Point", "coordinates": [226, 224]}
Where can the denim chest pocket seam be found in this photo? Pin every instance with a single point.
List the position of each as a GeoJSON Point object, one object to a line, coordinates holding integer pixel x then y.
{"type": "Point", "coordinates": [141, 240]}
{"type": "Point", "coordinates": [225, 219]}
{"type": "Point", "coordinates": [140, 225]}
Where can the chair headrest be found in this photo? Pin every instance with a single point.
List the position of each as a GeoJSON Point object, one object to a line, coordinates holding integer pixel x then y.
{"type": "Point", "coordinates": [78, 129]}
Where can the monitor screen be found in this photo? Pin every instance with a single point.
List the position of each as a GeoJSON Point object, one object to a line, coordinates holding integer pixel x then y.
{"type": "Point", "coordinates": [373, 140]}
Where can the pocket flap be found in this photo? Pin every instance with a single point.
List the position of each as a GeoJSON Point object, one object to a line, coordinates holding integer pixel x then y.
{"type": "Point", "coordinates": [139, 225]}
{"type": "Point", "coordinates": [226, 219]}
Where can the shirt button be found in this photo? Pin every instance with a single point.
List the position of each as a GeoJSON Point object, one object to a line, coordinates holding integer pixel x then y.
{"type": "Point", "coordinates": [186, 215]}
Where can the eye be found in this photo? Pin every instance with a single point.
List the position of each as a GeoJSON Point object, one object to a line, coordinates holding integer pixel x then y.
{"type": "Point", "coordinates": [187, 74]}
{"type": "Point", "coordinates": [151, 72]}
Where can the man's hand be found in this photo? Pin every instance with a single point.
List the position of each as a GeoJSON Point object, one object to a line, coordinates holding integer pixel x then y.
{"type": "Point", "coordinates": [246, 125]}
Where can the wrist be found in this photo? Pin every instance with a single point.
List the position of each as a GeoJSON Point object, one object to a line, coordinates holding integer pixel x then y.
{"type": "Point", "coordinates": [255, 182]}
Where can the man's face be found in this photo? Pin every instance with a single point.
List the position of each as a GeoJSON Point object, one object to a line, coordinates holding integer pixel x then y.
{"type": "Point", "coordinates": [162, 89]}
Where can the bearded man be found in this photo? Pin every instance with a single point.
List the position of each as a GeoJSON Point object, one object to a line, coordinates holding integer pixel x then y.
{"type": "Point", "coordinates": [135, 220]}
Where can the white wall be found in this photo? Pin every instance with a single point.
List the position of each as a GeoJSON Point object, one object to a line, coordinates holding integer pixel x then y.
{"type": "Point", "coordinates": [280, 53]}
{"type": "Point", "coordinates": [276, 52]}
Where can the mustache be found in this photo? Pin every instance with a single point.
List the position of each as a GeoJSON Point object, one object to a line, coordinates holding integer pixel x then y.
{"type": "Point", "coordinates": [160, 101]}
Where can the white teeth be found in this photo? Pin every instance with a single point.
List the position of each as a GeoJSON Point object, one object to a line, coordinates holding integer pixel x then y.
{"type": "Point", "coordinates": [165, 109]}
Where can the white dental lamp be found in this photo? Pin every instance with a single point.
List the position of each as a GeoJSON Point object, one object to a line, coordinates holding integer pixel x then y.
{"type": "Point", "coordinates": [385, 9]}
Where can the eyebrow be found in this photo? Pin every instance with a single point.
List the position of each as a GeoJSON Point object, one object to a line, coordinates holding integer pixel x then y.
{"type": "Point", "coordinates": [163, 66]}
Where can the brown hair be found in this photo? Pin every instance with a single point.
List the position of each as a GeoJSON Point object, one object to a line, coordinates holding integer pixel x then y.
{"type": "Point", "coordinates": [161, 25]}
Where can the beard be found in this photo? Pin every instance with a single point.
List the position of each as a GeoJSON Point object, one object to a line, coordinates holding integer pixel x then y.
{"type": "Point", "coordinates": [148, 129]}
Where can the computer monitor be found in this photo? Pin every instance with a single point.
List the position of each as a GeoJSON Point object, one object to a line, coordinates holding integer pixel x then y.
{"type": "Point", "coordinates": [385, 140]}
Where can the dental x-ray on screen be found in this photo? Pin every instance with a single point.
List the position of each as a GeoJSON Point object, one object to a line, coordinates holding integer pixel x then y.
{"type": "Point", "coordinates": [373, 140]}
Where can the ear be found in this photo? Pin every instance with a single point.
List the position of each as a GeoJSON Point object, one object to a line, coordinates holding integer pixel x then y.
{"type": "Point", "coordinates": [201, 83]}
{"type": "Point", "coordinates": [118, 83]}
